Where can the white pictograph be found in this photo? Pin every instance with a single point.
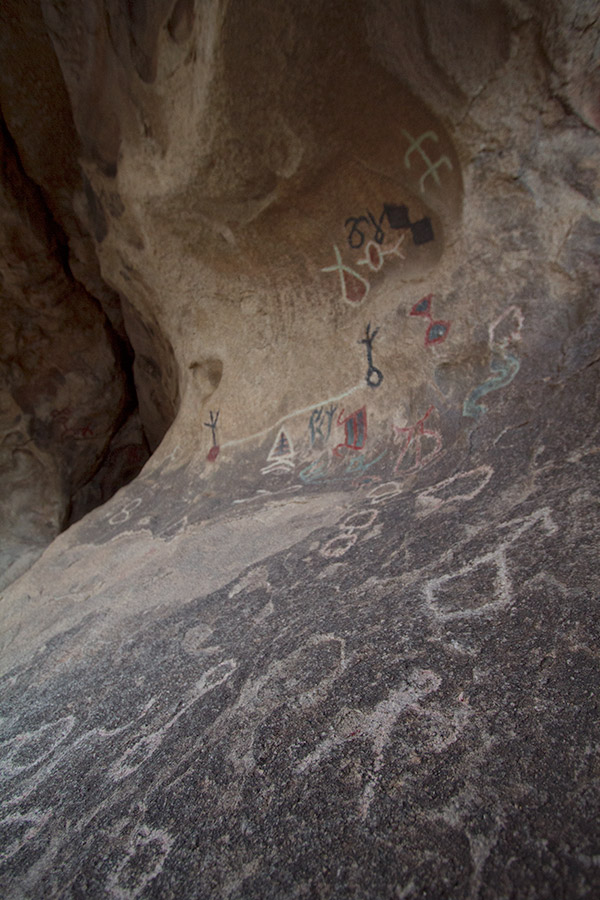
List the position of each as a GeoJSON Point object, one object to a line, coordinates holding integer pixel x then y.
{"type": "Point", "coordinates": [143, 861]}
{"type": "Point", "coordinates": [496, 559]}
{"type": "Point", "coordinates": [37, 754]}
{"type": "Point", "coordinates": [173, 529]}
{"type": "Point", "coordinates": [281, 454]}
{"type": "Point", "coordinates": [496, 335]}
{"type": "Point", "coordinates": [124, 513]}
{"type": "Point", "coordinates": [376, 726]}
{"type": "Point", "coordinates": [353, 286]}
{"type": "Point", "coordinates": [54, 754]}
{"type": "Point", "coordinates": [375, 256]}
{"type": "Point", "coordinates": [432, 167]}
{"type": "Point", "coordinates": [457, 489]}
{"type": "Point", "coordinates": [29, 823]}
{"type": "Point", "coordinates": [28, 749]}
{"type": "Point", "coordinates": [309, 672]}
{"type": "Point", "coordinates": [385, 491]}
{"type": "Point", "coordinates": [350, 529]}
{"type": "Point", "coordinates": [144, 748]}
{"type": "Point", "coordinates": [503, 334]}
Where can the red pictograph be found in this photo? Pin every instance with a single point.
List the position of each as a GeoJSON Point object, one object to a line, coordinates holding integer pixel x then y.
{"type": "Point", "coordinates": [412, 439]}
{"type": "Point", "coordinates": [355, 428]}
{"type": "Point", "coordinates": [438, 329]}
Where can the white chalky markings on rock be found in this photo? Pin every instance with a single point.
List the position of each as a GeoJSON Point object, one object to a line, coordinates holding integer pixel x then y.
{"type": "Point", "coordinates": [339, 545]}
{"type": "Point", "coordinates": [151, 846]}
{"type": "Point", "coordinates": [196, 640]}
{"type": "Point", "coordinates": [383, 492]}
{"type": "Point", "coordinates": [504, 365]}
{"type": "Point", "coordinates": [429, 500]}
{"type": "Point", "coordinates": [145, 747]}
{"type": "Point", "coordinates": [416, 146]}
{"type": "Point", "coordinates": [362, 520]}
{"type": "Point", "coordinates": [502, 586]}
{"type": "Point", "coordinates": [514, 333]}
{"type": "Point", "coordinates": [34, 819]}
{"type": "Point", "coordinates": [124, 514]}
{"type": "Point", "coordinates": [172, 530]}
{"type": "Point", "coordinates": [354, 288]}
{"type": "Point", "coordinates": [29, 748]}
{"type": "Point", "coordinates": [281, 454]}
{"type": "Point", "coordinates": [261, 695]}
{"type": "Point", "coordinates": [377, 726]}
{"type": "Point", "coordinates": [52, 757]}
{"type": "Point", "coordinates": [59, 753]}
{"type": "Point", "coordinates": [497, 559]}
{"type": "Point", "coordinates": [255, 579]}
{"type": "Point", "coordinates": [291, 415]}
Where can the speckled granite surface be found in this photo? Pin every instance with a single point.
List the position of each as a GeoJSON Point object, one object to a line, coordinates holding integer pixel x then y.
{"type": "Point", "coordinates": [396, 695]}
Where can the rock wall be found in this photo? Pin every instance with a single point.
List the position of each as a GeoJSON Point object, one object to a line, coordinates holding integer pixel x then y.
{"type": "Point", "coordinates": [334, 265]}
{"type": "Point", "coordinates": [322, 254]}
{"type": "Point", "coordinates": [63, 387]}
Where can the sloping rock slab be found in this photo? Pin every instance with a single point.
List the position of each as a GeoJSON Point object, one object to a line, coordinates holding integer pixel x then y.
{"type": "Point", "coordinates": [391, 693]}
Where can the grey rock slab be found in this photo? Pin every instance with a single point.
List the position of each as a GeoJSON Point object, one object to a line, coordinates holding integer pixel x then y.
{"type": "Point", "coordinates": [388, 694]}
{"type": "Point", "coordinates": [136, 573]}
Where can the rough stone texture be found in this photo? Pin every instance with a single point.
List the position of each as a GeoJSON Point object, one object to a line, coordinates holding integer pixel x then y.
{"type": "Point", "coordinates": [390, 692]}
{"type": "Point", "coordinates": [340, 637]}
{"type": "Point", "coordinates": [43, 172]}
{"type": "Point", "coordinates": [62, 388]}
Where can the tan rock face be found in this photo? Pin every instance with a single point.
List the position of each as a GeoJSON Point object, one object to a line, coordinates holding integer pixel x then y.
{"type": "Point", "coordinates": [326, 237]}
{"type": "Point", "coordinates": [269, 199]}
{"type": "Point", "coordinates": [336, 265]}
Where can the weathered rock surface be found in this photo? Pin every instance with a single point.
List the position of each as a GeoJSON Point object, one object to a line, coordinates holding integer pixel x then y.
{"type": "Point", "coordinates": [340, 637]}
{"type": "Point", "coordinates": [63, 390]}
{"type": "Point", "coordinates": [358, 694]}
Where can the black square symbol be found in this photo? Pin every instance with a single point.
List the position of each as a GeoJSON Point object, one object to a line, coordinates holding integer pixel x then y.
{"type": "Point", "coordinates": [422, 231]}
{"type": "Point", "coordinates": [397, 216]}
